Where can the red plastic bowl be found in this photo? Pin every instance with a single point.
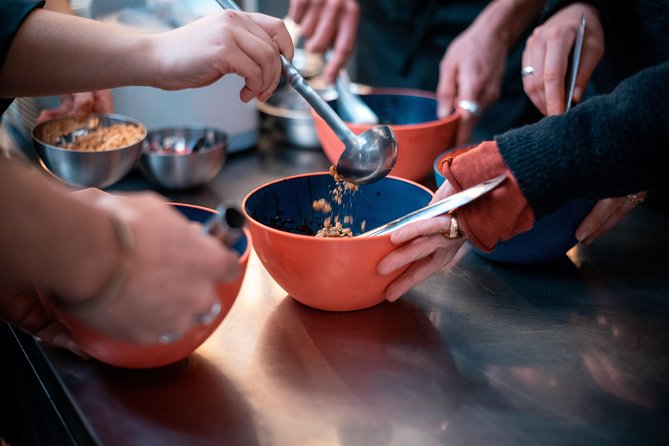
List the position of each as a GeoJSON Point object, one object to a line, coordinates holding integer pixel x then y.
{"type": "Point", "coordinates": [125, 354]}
{"type": "Point", "coordinates": [335, 274]}
{"type": "Point", "coordinates": [412, 114]}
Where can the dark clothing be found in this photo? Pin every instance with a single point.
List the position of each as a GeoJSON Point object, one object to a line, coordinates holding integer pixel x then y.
{"type": "Point", "coordinates": [637, 37]}
{"type": "Point", "coordinates": [12, 15]}
{"type": "Point", "coordinates": [400, 44]}
{"type": "Point", "coordinates": [608, 146]}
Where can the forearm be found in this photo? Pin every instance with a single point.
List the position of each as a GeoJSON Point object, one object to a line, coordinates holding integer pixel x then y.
{"type": "Point", "coordinates": [506, 20]}
{"type": "Point", "coordinates": [49, 239]}
{"type": "Point", "coordinates": [107, 57]}
{"type": "Point", "coordinates": [611, 145]}
{"type": "Point", "coordinates": [62, 6]}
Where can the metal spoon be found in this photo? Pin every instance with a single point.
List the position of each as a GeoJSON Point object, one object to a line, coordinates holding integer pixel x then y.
{"type": "Point", "coordinates": [351, 108]}
{"type": "Point", "coordinates": [575, 61]}
{"type": "Point", "coordinates": [226, 226]}
{"type": "Point", "coordinates": [366, 158]}
{"type": "Point", "coordinates": [440, 207]}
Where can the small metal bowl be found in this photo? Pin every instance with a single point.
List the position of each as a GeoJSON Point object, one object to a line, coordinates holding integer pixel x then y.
{"type": "Point", "coordinates": [168, 157]}
{"type": "Point", "coordinates": [85, 168]}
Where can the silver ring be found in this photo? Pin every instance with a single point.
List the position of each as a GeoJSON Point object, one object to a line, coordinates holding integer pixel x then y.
{"type": "Point", "coordinates": [168, 338]}
{"type": "Point", "coordinates": [636, 198]}
{"type": "Point", "coordinates": [527, 70]}
{"type": "Point", "coordinates": [473, 107]}
{"type": "Point", "coordinates": [208, 318]}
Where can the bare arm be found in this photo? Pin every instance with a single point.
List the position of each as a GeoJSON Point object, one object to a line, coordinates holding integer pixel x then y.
{"type": "Point", "coordinates": [69, 62]}
{"type": "Point", "coordinates": [56, 53]}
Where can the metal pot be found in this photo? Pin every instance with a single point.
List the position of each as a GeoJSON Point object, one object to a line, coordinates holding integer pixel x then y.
{"type": "Point", "coordinates": [289, 115]}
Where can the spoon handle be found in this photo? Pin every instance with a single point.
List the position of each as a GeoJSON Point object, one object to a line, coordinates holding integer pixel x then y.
{"type": "Point", "coordinates": [308, 93]}
{"type": "Point", "coordinates": [440, 207]}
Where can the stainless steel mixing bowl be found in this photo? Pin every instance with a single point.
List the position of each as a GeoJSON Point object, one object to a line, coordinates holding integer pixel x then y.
{"type": "Point", "coordinates": [168, 158]}
{"type": "Point", "coordinates": [85, 168]}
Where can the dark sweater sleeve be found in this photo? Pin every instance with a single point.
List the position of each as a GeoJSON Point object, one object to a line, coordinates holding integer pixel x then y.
{"type": "Point", "coordinates": [610, 145]}
{"type": "Point", "coordinates": [12, 15]}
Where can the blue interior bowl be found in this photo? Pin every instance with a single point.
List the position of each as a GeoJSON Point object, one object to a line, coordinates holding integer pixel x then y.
{"type": "Point", "coordinates": [287, 205]}
{"type": "Point", "coordinates": [201, 215]}
{"type": "Point", "coordinates": [397, 109]}
{"type": "Point", "coordinates": [550, 237]}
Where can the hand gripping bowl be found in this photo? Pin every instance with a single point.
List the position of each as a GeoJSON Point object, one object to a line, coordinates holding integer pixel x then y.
{"type": "Point", "coordinates": [412, 114]}
{"type": "Point", "coordinates": [80, 168]}
{"type": "Point", "coordinates": [125, 354]}
{"type": "Point", "coordinates": [550, 237]}
{"type": "Point", "coordinates": [335, 274]}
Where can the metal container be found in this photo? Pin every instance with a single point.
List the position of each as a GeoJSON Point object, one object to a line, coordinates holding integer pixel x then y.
{"type": "Point", "coordinates": [85, 168]}
{"type": "Point", "coordinates": [168, 158]}
{"type": "Point", "coordinates": [289, 114]}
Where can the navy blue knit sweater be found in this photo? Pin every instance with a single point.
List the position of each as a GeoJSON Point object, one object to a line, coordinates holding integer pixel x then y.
{"type": "Point", "coordinates": [610, 145]}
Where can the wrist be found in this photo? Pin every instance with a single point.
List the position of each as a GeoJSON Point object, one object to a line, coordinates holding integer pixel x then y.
{"type": "Point", "coordinates": [105, 291]}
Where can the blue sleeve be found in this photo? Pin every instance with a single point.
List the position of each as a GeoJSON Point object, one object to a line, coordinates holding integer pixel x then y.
{"type": "Point", "coordinates": [12, 15]}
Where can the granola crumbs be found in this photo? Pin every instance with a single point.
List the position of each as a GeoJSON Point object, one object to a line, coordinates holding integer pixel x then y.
{"type": "Point", "coordinates": [322, 205]}
{"type": "Point", "coordinates": [334, 231]}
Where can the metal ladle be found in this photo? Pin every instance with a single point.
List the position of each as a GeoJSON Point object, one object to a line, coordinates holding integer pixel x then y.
{"type": "Point", "coordinates": [351, 107]}
{"type": "Point", "coordinates": [366, 158]}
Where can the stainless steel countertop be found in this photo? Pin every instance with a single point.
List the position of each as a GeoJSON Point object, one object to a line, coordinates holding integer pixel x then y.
{"type": "Point", "coordinates": [574, 352]}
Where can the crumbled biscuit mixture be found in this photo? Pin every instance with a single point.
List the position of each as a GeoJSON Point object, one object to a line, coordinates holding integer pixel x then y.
{"type": "Point", "coordinates": [334, 231]}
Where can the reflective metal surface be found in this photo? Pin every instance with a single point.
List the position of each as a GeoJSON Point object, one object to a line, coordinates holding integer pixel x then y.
{"type": "Point", "coordinates": [573, 352]}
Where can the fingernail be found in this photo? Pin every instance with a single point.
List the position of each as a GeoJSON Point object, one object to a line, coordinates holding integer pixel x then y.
{"type": "Point", "coordinates": [391, 298]}
{"type": "Point", "coordinates": [443, 111]}
{"type": "Point", "coordinates": [577, 93]}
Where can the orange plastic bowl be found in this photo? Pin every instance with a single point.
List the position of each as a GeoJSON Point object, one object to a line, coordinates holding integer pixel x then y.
{"type": "Point", "coordinates": [125, 354]}
{"type": "Point", "coordinates": [335, 274]}
{"type": "Point", "coordinates": [412, 114]}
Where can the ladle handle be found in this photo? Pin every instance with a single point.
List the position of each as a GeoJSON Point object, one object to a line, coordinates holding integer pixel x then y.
{"type": "Point", "coordinates": [308, 93]}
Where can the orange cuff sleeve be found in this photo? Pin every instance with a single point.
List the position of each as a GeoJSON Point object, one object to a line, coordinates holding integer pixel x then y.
{"type": "Point", "coordinates": [498, 215]}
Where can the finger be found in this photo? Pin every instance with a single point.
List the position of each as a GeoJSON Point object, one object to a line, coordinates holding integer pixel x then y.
{"type": "Point", "coordinates": [429, 226]}
{"type": "Point", "coordinates": [619, 214]}
{"type": "Point", "coordinates": [600, 212]}
{"type": "Point", "coordinates": [277, 32]}
{"type": "Point", "coordinates": [64, 109]}
{"type": "Point", "coordinates": [555, 74]}
{"type": "Point", "coordinates": [590, 58]}
{"type": "Point", "coordinates": [465, 129]}
{"type": "Point", "coordinates": [311, 18]}
{"type": "Point", "coordinates": [344, 41]}
{"type": "Point", "coordinates": [447, 89]}
{"type": "Point", "coordinates": [247, 68]}
{"type": "Point", "coordinates": [326, 27]}
{"type": "Point", "coordinates": [603, 216]}
{"type": "Point", "coordinates": [533, 84]}
{"type": "Point", "coordinates": [82, 105]}
{"type": "Point", "coordinates": [104, 101]}
{"type": "Point", "coordinates": [417, 273]}
{"type": "Point", "coordinates": [264, 51]}
{"type": "Point", "coordinates": [446, 190]}
{"type": "Point", "coordinates": [469, 85]}
{"type": "Point", "coordinates": [297, 9]}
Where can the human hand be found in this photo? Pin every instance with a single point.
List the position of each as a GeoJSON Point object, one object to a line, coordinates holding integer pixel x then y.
{"type": "Point", "coordinates": [328, 24]}
{"type": "Point", "coordinates": [80, 105]}
{"type": "Point", "coordinates": [23, 309]}
{"type": "Point", "coordinates": [547, 52]}
{"type": "Point", "coordinates": [606, 214]}
{"type": "Point", "coordinates": [200, 53]}
{"type": "Point", "coordinates": [471, 70]}
{"type": "Point", "coordinates": [423, 246]}
{"type": "Point", "coordinates": [172, 271]}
